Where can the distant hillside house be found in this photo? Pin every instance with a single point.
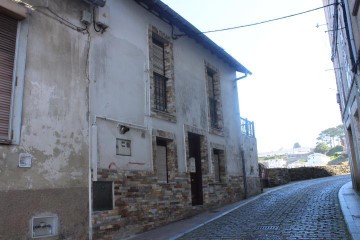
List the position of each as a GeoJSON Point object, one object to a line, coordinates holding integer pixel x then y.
{"type": "Point", "coordinates": [317, 159]}
{"type": "Point", "coordinates": [275, 163]}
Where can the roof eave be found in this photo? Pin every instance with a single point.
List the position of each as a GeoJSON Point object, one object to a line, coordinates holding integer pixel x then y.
{"type": "Point", "coordinates": [172, 17]}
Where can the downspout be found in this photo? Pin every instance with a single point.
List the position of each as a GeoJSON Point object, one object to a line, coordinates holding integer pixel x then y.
{"type": "Point", "coordinates": [347, 26]}
{"type": "Point", "coordinates": [242, 155]}
{"type": "Point", "coordinates": [243, 170]}
{"type": "Point", "coordinates": [239, 78]}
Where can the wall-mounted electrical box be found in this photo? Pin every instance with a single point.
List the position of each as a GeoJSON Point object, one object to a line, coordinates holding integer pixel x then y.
{"type": "Point", "coordinates": [102, 17]}
{"type": "Point", "coordinates": [123, 147]}
{"type": "Point", "coordinates": [44, 226]}
{"type": "Point", "coordinates": [25, 160]}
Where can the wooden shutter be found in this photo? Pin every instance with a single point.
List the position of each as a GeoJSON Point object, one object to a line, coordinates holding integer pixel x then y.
{"type": "Point", "coordinates": [8, 30]}
{"type": "Point", "coordinates": [161, 164]}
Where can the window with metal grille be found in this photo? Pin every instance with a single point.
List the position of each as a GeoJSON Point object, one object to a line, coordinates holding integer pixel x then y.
{"type": "Point", "coordinates": [8, 32]}
{"type": "Point", "coordinates": [212, 99]}
{"type": "Point", "coordinates": [161, 160]}
{"type": "Point", "coordinates": [160, 92]}
{"type": "Point", "coordinates": [159, 76]}
{"type": "Point", "coordinates": [102, 196]}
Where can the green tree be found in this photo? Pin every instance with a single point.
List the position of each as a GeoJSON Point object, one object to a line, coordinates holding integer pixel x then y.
{"type": "Point", "coordinates": [321, 148]}
{"type": "Point", "coordinates": [331, 136]}
{"type": "Point", "coordinates": [297, 145]}
{"type": "Point", "coordinates": [333, 151]}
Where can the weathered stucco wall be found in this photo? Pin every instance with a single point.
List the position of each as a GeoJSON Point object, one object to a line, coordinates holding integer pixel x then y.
{"type": "Point", "coordinates": [120, 94]}
{"type": "Point", "coordinates": [124, 73]}
{"type": "Point", "coordinates": [54, 129]}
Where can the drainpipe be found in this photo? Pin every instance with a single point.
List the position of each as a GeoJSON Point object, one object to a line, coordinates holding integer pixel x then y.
{"type": "Point", "coordinates": [347, 22]}
{"type": "Point", "coordinates": [241, 148]}
{"type": "Point", "coordinates": [244, 171]}
{"type": "Point", "coordinates": [236, 79]}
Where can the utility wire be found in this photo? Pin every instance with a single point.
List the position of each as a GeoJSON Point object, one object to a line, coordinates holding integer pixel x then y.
{"type": "Point", "coordinates": [270, 20]}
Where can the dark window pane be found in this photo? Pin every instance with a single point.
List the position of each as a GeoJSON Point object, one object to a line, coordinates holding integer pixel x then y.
{"type": "Point", "coordinates": [160, 92]}
{"type": "Point", "coordinates": [213, 112]}
{"type": "Point", "coordinates": [102, 196]}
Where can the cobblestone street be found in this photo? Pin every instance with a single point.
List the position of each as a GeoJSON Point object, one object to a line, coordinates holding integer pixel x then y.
{"type": "Point", "coordinates": [306, 210]}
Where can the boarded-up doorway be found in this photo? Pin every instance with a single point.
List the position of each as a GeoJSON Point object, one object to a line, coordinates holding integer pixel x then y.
{"type": "Point", "coordinates": [196, 175]}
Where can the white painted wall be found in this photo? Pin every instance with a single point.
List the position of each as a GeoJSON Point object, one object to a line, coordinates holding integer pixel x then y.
{"type": "Point", "coordinates": [119, 89]}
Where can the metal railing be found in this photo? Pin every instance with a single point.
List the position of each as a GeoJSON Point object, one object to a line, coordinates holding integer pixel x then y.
{"type": "Point", "coordinates": [247, 127]}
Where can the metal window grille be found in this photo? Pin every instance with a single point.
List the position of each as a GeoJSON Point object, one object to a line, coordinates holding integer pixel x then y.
{"type": "Point", "coordinates": [160, 92]}
{"type": "Point", "coordinates": [212, 100]}
{"type": "Point", "coordinates": [8, 31]}
{"type": "Point", "coordinates": [213, 112]}
{"type": "Point", "coordinates": [159, 75]}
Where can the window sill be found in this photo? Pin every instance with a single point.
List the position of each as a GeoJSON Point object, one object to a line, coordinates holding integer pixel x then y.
{"type": "Point", "coordinates": [163, 115]}
{"type": "Point", "coordinates": [5, 142]}
{"type": "Point", "coordinates": [217, 131]}
{"type": "Point", "coordinates": [217, 184]}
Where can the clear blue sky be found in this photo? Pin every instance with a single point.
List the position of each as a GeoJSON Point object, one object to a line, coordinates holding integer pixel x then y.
{"type": "Point", "coordinates": [290, 96]}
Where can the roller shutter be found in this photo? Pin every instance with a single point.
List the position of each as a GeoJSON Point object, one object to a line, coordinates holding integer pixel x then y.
{"type": "Point", "coordinates": [8, 30]}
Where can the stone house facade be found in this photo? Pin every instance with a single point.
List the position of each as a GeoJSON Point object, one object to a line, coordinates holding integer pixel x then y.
{"type": "Point", "coordinates": [343, 16]}
{"type": "Point", "coordinates": [115, 120]}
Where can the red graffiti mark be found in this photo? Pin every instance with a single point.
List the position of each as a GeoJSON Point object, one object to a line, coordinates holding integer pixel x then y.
{"type": "Point", "coordinates": [112, 165]}
{"type": "Point", "coordinates": [137, 163]}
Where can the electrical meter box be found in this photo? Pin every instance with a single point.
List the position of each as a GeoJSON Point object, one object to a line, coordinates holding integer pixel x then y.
{"type": "Point", "coordinates": [123, 147]}
{"type": "Point", "coordinates": [44, 226]}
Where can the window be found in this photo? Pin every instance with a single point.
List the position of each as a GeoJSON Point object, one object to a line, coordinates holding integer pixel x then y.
{"type": "Point", "coordinates": [164, 156]}
{"type": "Point", "coordinates": [161, 160]}
{"type": "Point", "coordinates": [218, 161]}
{"type": "Point", "coordinates": [8, 32]}
{"type": "Point", "coordinates": [162, 90]}
{"type": "Point", "coordinates": [217, 165]}
{"type": "Point", "coordinates": [102, 196]}
{"type": "Point", "coordinates": [159, 75]}
{"type": "Point", "coordinates": [214, 99]}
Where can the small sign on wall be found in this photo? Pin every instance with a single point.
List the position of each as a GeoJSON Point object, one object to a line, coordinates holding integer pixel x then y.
{"type": "Point", "coordinates": [192, 165]}
{"type": "Point", "coordinates": [25, 160]}
{"type": "Point", "coordinates": [123, 147]}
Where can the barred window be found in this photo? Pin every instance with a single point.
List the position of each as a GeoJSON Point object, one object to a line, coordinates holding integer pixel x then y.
{"type": "Point", "coordinates": [160, 92]}
{"type": "Point", "coordinates": [212, 99]}
{"type": "Point", "coordinates": [159, 75]}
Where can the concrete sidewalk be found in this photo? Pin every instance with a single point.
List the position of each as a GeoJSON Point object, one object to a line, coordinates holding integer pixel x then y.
{"type": "Point", "coordinates": [179, 228]}
{"type": "Point", "coordinates": [350, 206]}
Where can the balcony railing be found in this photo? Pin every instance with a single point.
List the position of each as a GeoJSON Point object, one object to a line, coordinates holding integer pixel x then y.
{"type": "Point", "coordinates": [247, 127]}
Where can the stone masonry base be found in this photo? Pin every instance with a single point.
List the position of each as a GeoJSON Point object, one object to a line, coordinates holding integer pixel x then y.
{"type": "Point", "coordinates": [142, 203]}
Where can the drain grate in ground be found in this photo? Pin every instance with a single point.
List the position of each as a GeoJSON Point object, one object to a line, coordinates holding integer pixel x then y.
{"type": "Point", "coordinates": [267, 228]}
